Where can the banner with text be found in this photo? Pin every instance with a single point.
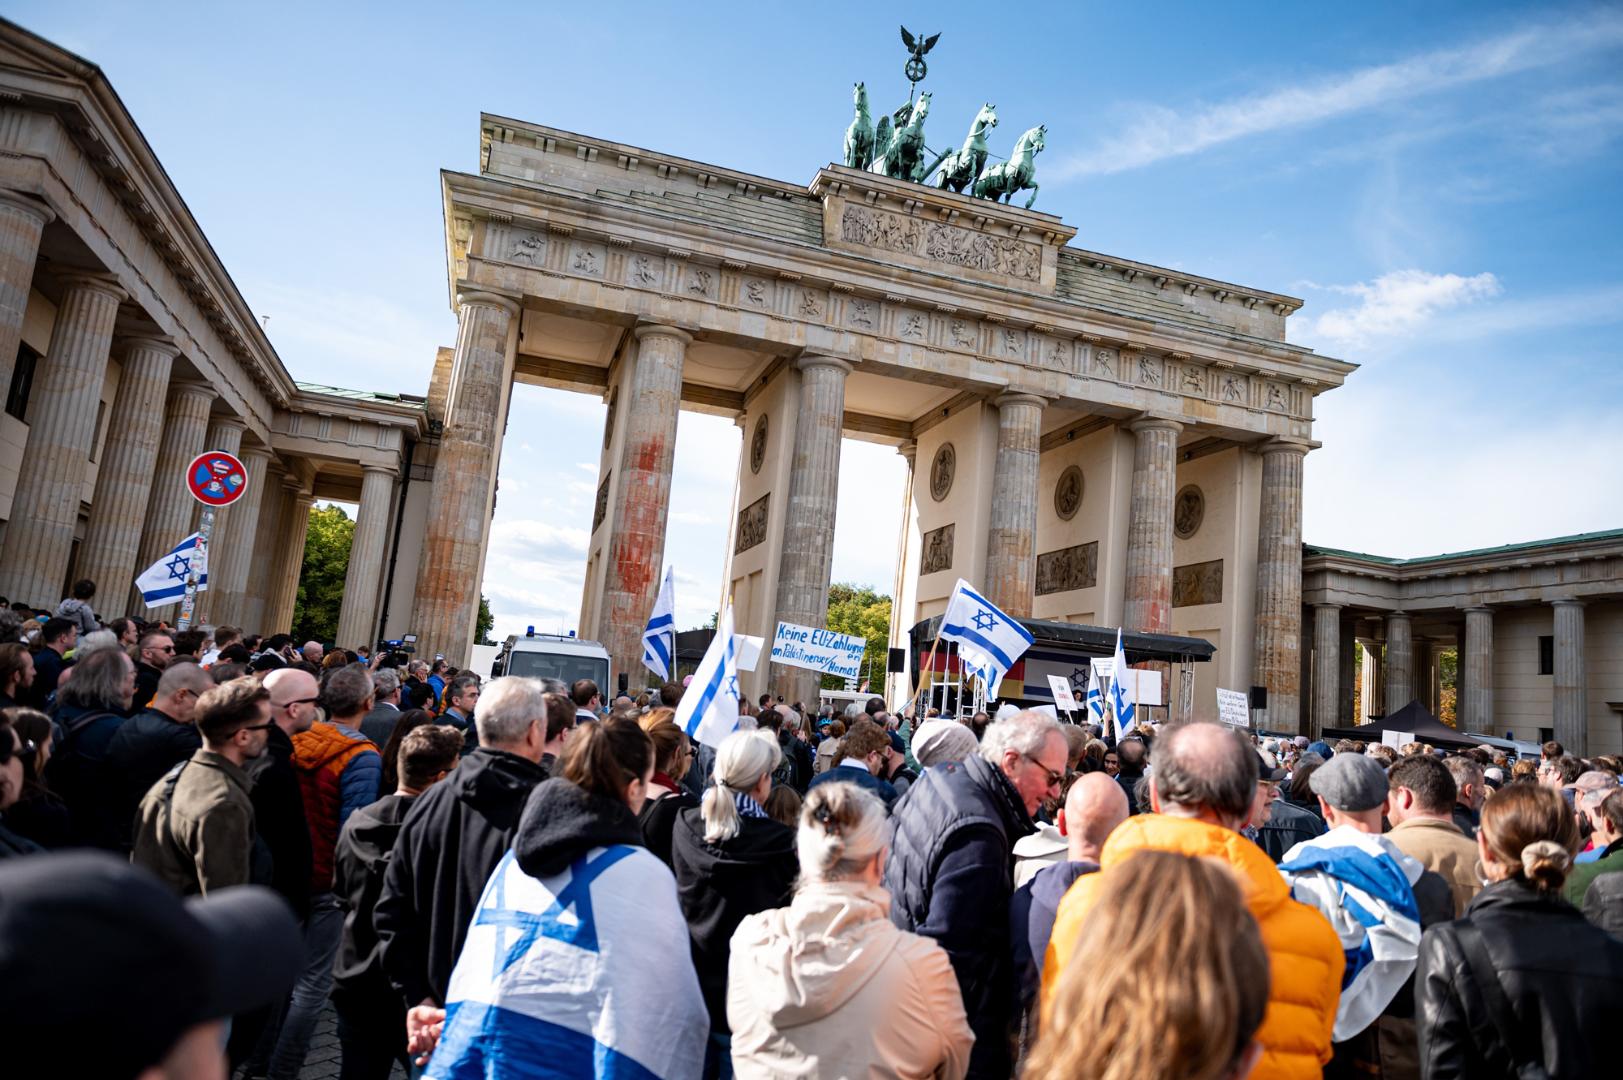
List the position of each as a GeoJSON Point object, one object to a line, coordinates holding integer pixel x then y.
{"type": "Point", "coordinates": [1233, 707]}
{"type": "Point", "coordinates": [819, 650]}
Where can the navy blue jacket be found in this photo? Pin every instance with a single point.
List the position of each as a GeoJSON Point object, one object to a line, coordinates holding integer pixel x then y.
{"type": "Point", "coordinates": [861, 778]}
{"type": "Point", "coordinates": [950, 878]}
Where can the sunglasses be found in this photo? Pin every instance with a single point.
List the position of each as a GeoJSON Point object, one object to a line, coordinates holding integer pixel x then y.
{"type": "Point", "coordinates": [1055, 778]}
{"type": "Point", "coordinates": [24, 747]}
{"type": "Point", "coordinates": [295, 701]}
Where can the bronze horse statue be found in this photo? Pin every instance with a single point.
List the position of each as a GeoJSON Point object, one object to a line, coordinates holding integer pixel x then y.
{"type": "Point", "coordinates": [899, 142]}
{"type": "Point", "coordinates": [859, 136]}
{"type": "Point", "coordinates": [1017, 174]}
{"type": "Point", "coordinates": [960, 167]}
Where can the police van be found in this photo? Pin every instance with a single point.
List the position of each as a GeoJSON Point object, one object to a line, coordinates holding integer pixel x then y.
{"type": "Point", "coordinates": [554, 656]}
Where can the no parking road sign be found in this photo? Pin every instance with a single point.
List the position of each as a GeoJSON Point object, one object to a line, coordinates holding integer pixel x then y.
{"type": "Point", "coordinates": [216, 478]}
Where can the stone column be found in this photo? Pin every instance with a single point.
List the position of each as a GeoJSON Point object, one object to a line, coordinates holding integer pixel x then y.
{"type": "Point", "coordinates": [1148, 601]}
{"type": "Point", "coordinates": [171, 508]}
{"type": "Point", "coordinates": [1011, 539]}
{"type": "Point", "coordinates": [1476, 671]}
{"type": "Point", "coordinates": [1279, 585]}
{"type": "Point", "coordinates": [1326, 667]}
{"type": "Point", "coordinates": [1570, 707]}
{"type": "Point", "coordinates": [124, 481]}
{"type": "Point", "coordinates": [231, 561]}
{"type": "Point", "coordinates": [1348, 649]}
{"type": "Point", "coordinates": [284, 586]}
{"type": "Point", "coordinates": [642, 497]}
{"type": "Point", "coordinates": [358, 618]}
{"type": "Point", "coordinates": [447, 601]}
{"type": "Point", "coordinates": [808, 525]}
{"type": "Point", "coordinates": [1399, 668]}
{"type": "Point", "coordinates": [22, 220]}
{"type": "Point", "coordinates": [1371, 692]}
{"type": "Point", "coordinates": [61, 434]}
{"type": "Point", "coordinates": [262, 564]}
{"type": "Point", "coordinates": [901, 611]}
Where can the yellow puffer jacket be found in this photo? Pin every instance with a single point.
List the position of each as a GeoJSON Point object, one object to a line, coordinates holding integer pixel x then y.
{"type": "Point", "coordinates": [1304, 953]}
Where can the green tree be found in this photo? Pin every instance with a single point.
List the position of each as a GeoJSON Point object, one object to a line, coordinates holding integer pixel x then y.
{"type": "Point", "coordinates": [321, 579]}
{"type": "Point", "coordinates": [863, 611]}
{"type": "Point", "coordinates": [481, 628]}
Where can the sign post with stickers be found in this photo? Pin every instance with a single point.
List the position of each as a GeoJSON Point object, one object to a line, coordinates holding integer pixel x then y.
{"type": "Point", "coordinates": [216, 479]}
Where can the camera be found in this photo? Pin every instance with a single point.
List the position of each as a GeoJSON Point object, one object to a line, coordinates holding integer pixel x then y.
{"type": "Point", "coordinates": [396, 652]}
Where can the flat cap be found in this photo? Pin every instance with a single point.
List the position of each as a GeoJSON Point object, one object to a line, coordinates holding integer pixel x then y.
{"type": "Point", "coordinates": [1351, 782]}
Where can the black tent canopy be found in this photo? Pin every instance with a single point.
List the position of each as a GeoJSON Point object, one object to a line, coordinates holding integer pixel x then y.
{"type": "Point", "coordinates": [1413, 718]}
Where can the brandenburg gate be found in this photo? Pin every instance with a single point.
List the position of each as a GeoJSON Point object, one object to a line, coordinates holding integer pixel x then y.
{"type": "Point", "coordinates": [1089, 438]}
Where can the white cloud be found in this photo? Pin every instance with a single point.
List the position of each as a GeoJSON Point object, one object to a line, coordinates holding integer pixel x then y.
{"type": "Point", "coordinates": [1395, 303]}
{"type": "Point", "coordinates": [1155, 133]}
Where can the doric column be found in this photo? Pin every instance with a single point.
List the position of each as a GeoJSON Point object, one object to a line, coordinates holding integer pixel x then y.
{"type": "Point", "coordinates": [1399, 667]}
{"type": "Point", "coordinates": [357, 619]}
{"type": "Point", "coordinates": [1570, 707]}
{"type": "Point", "coordinates": [171, 508]}
{"type": "Point", "coordinates": [901, 607]}
{"type": "Point", "coordinates": [447, 601]}
{"type": "Point", "coordinates": [1326, 666]}
{"type": "Point", "coordinates": [289, 558]}
{"type": "Point", "coordinates": [262, 566]}
{"type": "Point", "coordinates": [61, 434]}
{"type": "Point", "coordinates": [1371, 692]}
{"type": "Point", "coordinates": [231, 560]}
{"type": "Point", "coordinates": [22, 220]}
{"type": "Point", "coordinates": [124, 481]}
{"type": "Point", "coordinates": [1275, 663]}
{"type": "Point", "coordinates": [1011, 538]}
{"type": "Point", "coordinates": [1476, 671]}
{"type": "Point", "coordinates": [642, 496]}
{"type": "Point", "coordinates": [1148, 601]}
{"type": "Point", "coordinates": [808, 526]}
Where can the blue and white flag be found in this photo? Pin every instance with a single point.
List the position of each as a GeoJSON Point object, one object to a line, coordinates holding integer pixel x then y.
{"type": "Point", "coordinates": [1364, 885]}
{"type": "Point", "coordinates": [164, 582]}
{"type": "Point", "coordinates": [1121, 707]}
{"type": "Point", "coordinates": [1096, 697]}
{"type": "Point", "coordinates": [659, 636]}
{"type": "Point", "coordinates": [989, 641]}
{"type": "Point", "coordinates": [708, 711]}
{"type": "Point", "coordinates": [554, 981]}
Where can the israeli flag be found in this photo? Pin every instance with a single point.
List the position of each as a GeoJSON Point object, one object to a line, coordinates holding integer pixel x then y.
{"type": "Point", "coordinates": [1096, 697]}
{"type": "Point", "coordinates": [164, 582]}
{"type": "Point", "coordinates": [708, 711]}
{"type": "Point", "coordinates": [1364, 884]}
{"type": "Point", "coordinates": [553, 981]}
{"type": "Point", "coordinates": [659, 636]}
{"type": "Point", "coordinates": [1121, 709]}
{"type": "Point", "coordinates": [989, 641]}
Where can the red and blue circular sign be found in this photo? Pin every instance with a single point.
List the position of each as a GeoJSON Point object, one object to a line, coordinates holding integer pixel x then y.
{"type": "Point", "coordinates": [216, 478]}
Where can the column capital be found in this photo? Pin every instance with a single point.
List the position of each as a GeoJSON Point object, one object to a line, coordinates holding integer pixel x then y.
{"type": "Point", "coordinates": [910, 451]}
{"type": "Point", "coordinates": [229, 421]}
{"type": "Point", "coordinates": [508, 304]}
{"type": "Point", "coordinates": [1398, 616]}
{"type": "Point", "coordinates": [92, 281]}
{"type": "Point", "coordinates": [256, 452]}
{"type": "Point", "coordinates": [663, 330]}
{"type": "Point", "coordinates": [16, 200]}
{"type": "Point", "coordinates": [1328, 607]}
{"type": "Point", "coordinates": [191, 388]}
{"type": "Point", "coordinates": [383, 469]}
{"type": "Point", "coordinates": [158, 343]}
{"type": "Point", "coordinates": [1019, 397]}
{"type": "Point", "coordinates": [817, 360]}
{"type": "Point", "coordinates": [1477, 609]}
{"type": "Point", "coordinates": [1147, 422]}
{"type": "Point", "coordinates": [1282, 446]}
{"type": "Point", "coordinates": [1568, 601]}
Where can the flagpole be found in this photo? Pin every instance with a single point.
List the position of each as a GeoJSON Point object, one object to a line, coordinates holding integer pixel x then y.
{"type": "Point", "coordinates": [195, 568]}
{"type": "Point", "coordinates": [926, 687]}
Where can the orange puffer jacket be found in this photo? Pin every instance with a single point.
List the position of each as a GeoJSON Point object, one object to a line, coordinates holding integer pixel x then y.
{"type": "Point", "coordinates": [1304, 954]}
{"type": "Point", "coordinates": [340, 771]}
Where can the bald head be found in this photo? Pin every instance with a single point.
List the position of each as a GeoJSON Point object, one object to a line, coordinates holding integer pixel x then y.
{"type": "Point", "coordinates": [293, 699]}
{"type": "Point", "coordinates": [1094, 806]}
{"type": "Point", "coordinates": [179, 689]}
{"type": "Point", "coordinates": [1205, 771]}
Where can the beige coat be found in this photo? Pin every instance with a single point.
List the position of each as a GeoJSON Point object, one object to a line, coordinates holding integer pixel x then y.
{"type": "Point", "coordinates": [827, 987]}
{"type": "Point", "coordinates": [1442, 848]}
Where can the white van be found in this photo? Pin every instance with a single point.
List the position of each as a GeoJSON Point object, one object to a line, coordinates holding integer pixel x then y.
{"type": "Point", "coordinates": [553, 656]}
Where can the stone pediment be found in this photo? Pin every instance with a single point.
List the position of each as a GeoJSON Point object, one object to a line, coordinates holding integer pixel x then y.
{"type": "Point", "coordinates": [935, 229]}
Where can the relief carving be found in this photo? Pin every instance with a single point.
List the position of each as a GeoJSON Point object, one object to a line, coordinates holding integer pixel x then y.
{"type": "Point", "coordinates": [1059, 356]}
{"type": "Point", "coordinates": [959, 334]}
{"type": "Point", "coordinates": [1197, 583]}
{"type": "Point", "coordinates": [860, 313]}
{"type": "Point", "coordinates": [1231, 389]}
{"type": "Point", "coordinates": [1068, 493]}
{"type": "Point", "coordinates": [608, 421]}
{"type": "Point", "coordinates": [1068, 569]}
{"type": "Point", "coordinates": [1188, 511]}
{"type": "Point", "coordinates": [1147, 373]}
{"type": "Point", "coordinates": [758, 444]}
{"type": "Point", "coordinates": [529, 248]}
{"type": "Point", "coordinates": [702, 282]}
{"type": "Point", "coordinates": [1104, 364]}
{"type": "Point", "coordinates": [941, 242]}
{"type": "Point", "coordinates": [941, 471]}
{"type": "Point", "coordinates": [643, 270]}
{"type": "Point", "coordinates": [601, 510]}
{"type": "Point", "coordinates": [912, 326]}
{"type": "Point", "coordinates": [1276, 398]}
{"type": "Point", "coordinates": [1193, 383]}
{"type": "Point", "coordinates": [588, 261]}
{"type": "Point", "coordinates": [751, 525]}
{"type": "Point", "coordinates": [1013, 344]}
{"type": "Point", "coordinates": [755, 292]}
{"type": "Point", "coordinates": [811, 304]}
{"type": "Point", "coordinates": [937, 550]}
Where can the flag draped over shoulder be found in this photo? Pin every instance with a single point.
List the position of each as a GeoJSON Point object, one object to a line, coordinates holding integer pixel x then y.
{"type": "Point", "coordinates": [1364, 885]}
{"type": "Point", "coordinates": [708, 711]}
{"type": "Point", "coordinates": [659, 636]}
{"type": "Point", "coordinates": [586, 973]}
{"type": "Point", "coordinates": [164, 582]}
{"type": "Point", "coordinates": [1121, 705]}
{"type": "Point", "coordinates": [989, 641]}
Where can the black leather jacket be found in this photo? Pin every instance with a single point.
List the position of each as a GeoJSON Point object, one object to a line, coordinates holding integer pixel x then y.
{"type": "Point", "coordinates": [1562, 980]}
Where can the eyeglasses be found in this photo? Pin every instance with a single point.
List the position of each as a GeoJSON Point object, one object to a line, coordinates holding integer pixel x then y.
{"type": "Point", "coordinates": [1055, 778]}
{"type": "Point", "coordinates": [295, 701]}
{"type": "Point", "coordinates": [266, 726]}
{"type": "Point", "coordinates": [161, 648]}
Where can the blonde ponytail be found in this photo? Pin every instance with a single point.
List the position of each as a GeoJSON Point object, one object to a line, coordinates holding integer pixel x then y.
{"type": "Point", "coordinates": [743, 758]}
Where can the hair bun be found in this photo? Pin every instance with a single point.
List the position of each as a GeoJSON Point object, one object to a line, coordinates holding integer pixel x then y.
{"type": "Point", "coordinates": [1545, 863]}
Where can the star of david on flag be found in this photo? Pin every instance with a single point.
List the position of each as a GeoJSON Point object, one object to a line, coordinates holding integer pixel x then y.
{"type": "Point", "coordinates": [709, 708]}
{"type": "Point", "coordinates": [164, 582]}
{"type": "Point", "coordinates": [1096, 699]}
{"type": "Point", "coordinates": [1121, 705]}
{"type": "Point", "coordinates": [989, 641]}
{"type": "Point", "coordinates": [659, 636]}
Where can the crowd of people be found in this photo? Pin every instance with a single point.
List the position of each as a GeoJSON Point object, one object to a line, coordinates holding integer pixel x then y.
{"type": "Point", "coordinates": [207, 836]}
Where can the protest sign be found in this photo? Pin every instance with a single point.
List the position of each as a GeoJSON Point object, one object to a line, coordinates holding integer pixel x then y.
{"type": "Point", "coordinates": [1063, 698]}
{"type": "Point", "coordinates": [1397, 740]}
{"type": "Point", "coordinates": [1233, 708]}
{"type": "Point", "coordinates": [818, 650]}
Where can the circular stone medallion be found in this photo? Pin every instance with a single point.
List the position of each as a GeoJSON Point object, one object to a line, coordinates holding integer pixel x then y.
{"type": "Point", "coordinates": [941, 471]}
{"type": "Point", "coordinates": [1068, 493]}
{"type": "Point", "coordinates": [1188, 510]}
{"type": "Point", "coordinates": [758, 445]}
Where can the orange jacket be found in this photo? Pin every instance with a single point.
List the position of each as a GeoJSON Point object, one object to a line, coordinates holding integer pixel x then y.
{"type": "Point", "coordinates": [1304, 954]}
{"type": "Point", "coordinates": [339, 772]}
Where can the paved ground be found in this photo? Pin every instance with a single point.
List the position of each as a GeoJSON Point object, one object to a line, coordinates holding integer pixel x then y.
{"type": "Point", "coordinates": [321, 1063]}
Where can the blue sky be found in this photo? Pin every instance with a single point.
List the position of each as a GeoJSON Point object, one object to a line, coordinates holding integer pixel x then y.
{"type": "Point", "coordinates": [1439, 182]}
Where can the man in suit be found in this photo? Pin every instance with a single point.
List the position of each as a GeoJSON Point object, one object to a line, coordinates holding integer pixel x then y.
{"type": "Point", "coordinates": [378, 724]}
